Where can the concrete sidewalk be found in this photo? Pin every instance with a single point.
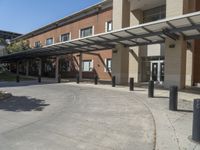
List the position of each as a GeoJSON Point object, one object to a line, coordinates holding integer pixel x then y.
{"type": "Point", "coordinates": [86, 116]}
{"type": "Point", "coordinates": [173, 129]}
{"type": "Point", "coordinates": [68, 117]}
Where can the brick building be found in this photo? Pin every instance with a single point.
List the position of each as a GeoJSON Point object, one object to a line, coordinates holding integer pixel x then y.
{"type": "Point", "coordinates": [145, 61]}
{"type": "Point", "coordinates": [94, 20]}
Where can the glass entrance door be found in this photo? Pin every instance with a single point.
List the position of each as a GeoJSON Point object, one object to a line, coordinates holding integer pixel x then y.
{"type": "Point", "coordinates": [162, 73]}
{"type": "Point", "coordinates": [157, 70]}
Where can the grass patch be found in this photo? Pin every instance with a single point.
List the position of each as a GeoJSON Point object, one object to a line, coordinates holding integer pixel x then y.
{"type": "Point", "coordinates": [7, 76]}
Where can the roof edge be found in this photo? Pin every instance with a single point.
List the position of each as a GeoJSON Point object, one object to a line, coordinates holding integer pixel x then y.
{"type": "Point", "coordinates": [61, 22]}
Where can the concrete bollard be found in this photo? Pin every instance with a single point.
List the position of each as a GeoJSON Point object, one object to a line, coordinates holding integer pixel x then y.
{"type": "Point", "coordinates": [196, 121]}
{"type": "Point", "coordinates": [96, 80]}
{"type": "Point", "coordinates": [173, 98]}
{"type": "Point", "coordinates": [17, 79]}
{"type": "Point", "coordinates": [77, 79]}
{"type": "Point", "coordinates": [39, 78]}
{"type": "Point", "coordinates": [151, 89]}
{"type": "Point", "coordinates": [131, 84]}
{"type": "Point", "coordinates": [113, 81]}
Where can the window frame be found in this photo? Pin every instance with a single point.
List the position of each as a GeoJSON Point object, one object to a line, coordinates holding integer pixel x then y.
{"type": "Point", "coordinates": [38, 45]}
{"type": "Point", "coordinates": [48, 39]}
{"type": "Point", "coordinates": [107, 26]}
{"type": "Point", "coordinates": [69, 33]}
{"type": "Point", "coordinates": [107, 68]}
{"type": "Point", "coordinates": [159, 12]}
{"type": "Point", "coordinates": [90, 65]}
{"type": "Point", "coordinates": [80, 31]}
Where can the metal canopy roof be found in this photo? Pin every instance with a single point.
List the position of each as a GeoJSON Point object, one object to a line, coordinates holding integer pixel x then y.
{"type": "Point", "coordinates": [187, 26]}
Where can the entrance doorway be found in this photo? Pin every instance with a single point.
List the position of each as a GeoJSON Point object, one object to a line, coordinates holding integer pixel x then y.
{"type": "Point", "coordinates": [157, 71]}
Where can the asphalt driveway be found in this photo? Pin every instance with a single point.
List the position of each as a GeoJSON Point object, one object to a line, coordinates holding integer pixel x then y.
{"type": "Point", "coordinates": [67, 117]}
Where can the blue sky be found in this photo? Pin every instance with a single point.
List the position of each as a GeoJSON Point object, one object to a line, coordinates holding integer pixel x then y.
{"type": "Point", "coordinates": [23, 16]}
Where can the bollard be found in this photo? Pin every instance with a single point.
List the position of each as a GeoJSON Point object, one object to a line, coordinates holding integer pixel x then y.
{"type": "Point", "coordinates": [77, 79]}
{"type": "Point", "coordinates": [96, 80]}
{"type": "Point", "coordinates": [59, 78]}
{"type": "Point", "coordinates": [39, 78]}
{"type": "Point", "coordinates": [17, 79]}
{"type": "Point", "coordinates": [113, 81]}
{"type": "Point", "coordinates": [131, 84]}
{"type": "Point", "coordinates": [196, 121]}
{"type": "Point", "coordinates": [173, 98]}
{"type": "Point", "coordinates": [151, 89]}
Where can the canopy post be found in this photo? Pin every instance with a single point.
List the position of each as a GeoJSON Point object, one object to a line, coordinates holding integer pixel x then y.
{"type": "Point", "coordinates": [81, 66]}
{"type": "Point", "coordinates": [57, 70]}
{"type": "Point", "coordinates": [27, 67]}
{"type": "Point", "coordinates": [39, 69]}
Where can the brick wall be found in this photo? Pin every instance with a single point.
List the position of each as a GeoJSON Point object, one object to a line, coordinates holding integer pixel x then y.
{"type": "Point", "coordinates": [98, 22]}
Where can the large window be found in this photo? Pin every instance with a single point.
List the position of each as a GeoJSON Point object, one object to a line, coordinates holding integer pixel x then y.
{"type": "Point", "coordinates": [155, 14]}
{"type": "Point", "coordinates": [87, 65]}
{"type": "Point", "coordinates": [65, 37]}
{"type": "Point", "coordinates": [86, 32]}
{"type": "Point", "coordinates": [37, 44]}
{"type": "Point", "coordinates": [49, 41]}
{"type": "Point", "coordinates": [109, 26]}
{"type": "Point", "coordinates": [108, 63]}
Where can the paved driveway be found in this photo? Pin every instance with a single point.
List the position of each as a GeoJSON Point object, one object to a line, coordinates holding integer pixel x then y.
{"type": "Point", "coordinates": [68, 117]}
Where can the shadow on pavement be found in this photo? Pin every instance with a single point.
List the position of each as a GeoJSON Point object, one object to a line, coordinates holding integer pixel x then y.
{"type": "Point", "coordinates": [22, 103]}
{"type": "Point", "coordinates": [24, 83]}
{"type": "Point", "coordinates": [161, 97]}
{"type": "Point", "coordinates": [187, 111]}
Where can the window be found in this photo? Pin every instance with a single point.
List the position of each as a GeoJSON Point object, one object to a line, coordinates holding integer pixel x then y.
{"type": "Point", "coordinates": [108, 63]}
{"type": "Point", "coordinates": [109, 26]}
{"type": "Point", "coordinates": [154, 14]}
{"type": "Point", "coordinates": [87, 65]}
{"type": "Point", "coordinates": [86, 32]}
{"type": "Point", "coordinates": [49, 41]}
{"type": "Point", "coordinates": [65, 37]}
{"type": "Point", "coordinates": [37, 44]}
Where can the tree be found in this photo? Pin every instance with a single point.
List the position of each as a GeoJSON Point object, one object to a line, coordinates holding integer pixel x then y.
{"type": "Point", "coordinates": [3, 42]}
{"type": "Point", "coordinates": [22, 45]}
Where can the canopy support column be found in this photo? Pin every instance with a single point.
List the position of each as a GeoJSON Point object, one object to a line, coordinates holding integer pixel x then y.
{"type": "Point", "coordinates": [175, 62]}
{"type": "Point", "coordinates": [57, 71]}
{"type": "Point", "coordinates": [39, 69]}
{"type": "Point", "coordinates": [27, 67]}
{"type": "Point", "coordinates": [80, 66]}
{"type": "Point", "coordinates": [17, 71]}
{"type": "Point", "coordinates": [120, 64]}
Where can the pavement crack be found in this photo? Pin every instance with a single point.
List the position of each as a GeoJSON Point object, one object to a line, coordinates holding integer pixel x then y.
{"type": "Point", "coordinates": [154, 121]}
{"type": "Point", "coordinates": [174, 130]}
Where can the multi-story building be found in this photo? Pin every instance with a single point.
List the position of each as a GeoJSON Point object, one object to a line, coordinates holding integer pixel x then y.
{"type": "Point", "coordinates": [94, 20]}
{"type": "Point", "coordinates": [174, 62]}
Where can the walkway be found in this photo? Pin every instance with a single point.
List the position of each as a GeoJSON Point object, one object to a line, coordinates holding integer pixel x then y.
{"type": "Point", "coordinates": [63, 116]}
{"type": "Point", "coordinates": [85, 116]}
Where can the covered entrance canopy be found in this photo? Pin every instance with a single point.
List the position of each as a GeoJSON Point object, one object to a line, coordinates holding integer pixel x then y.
{"type": "Point", "coordinates": [187, 26]}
